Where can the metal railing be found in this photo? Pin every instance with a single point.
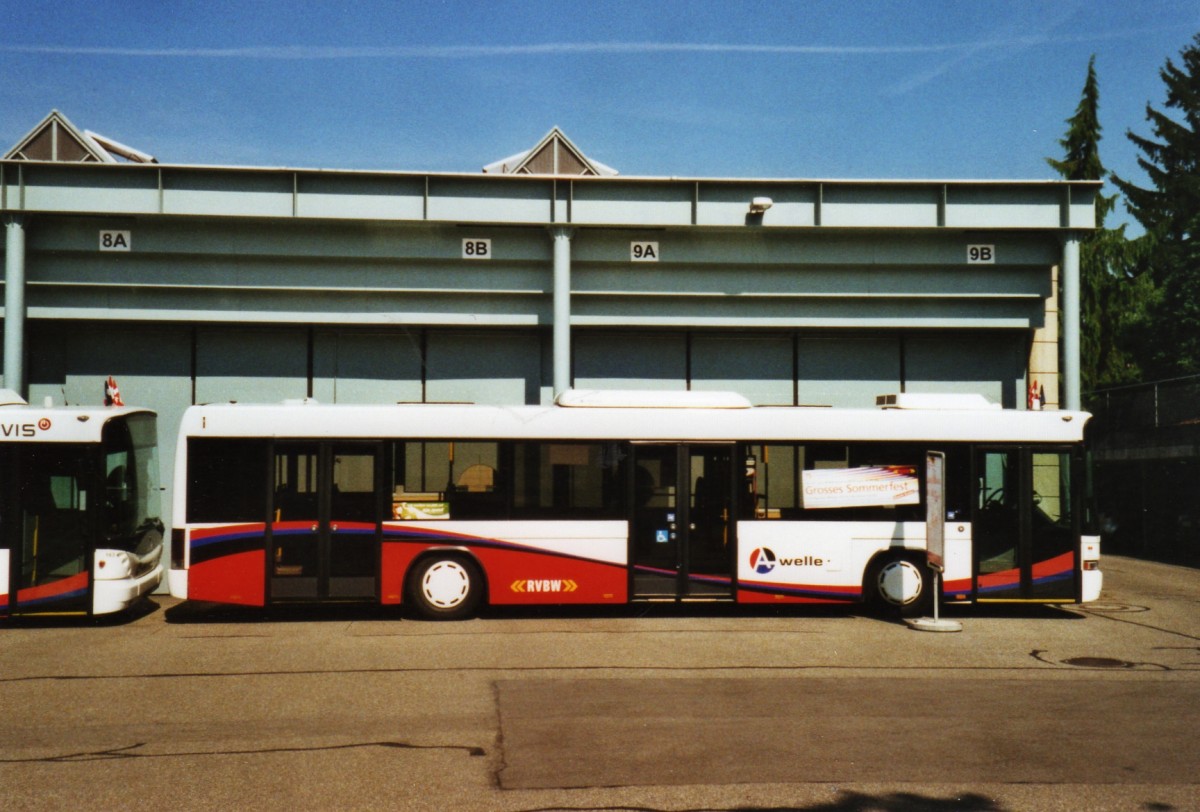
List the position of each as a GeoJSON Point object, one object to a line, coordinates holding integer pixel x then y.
{"type": "Point", "coordinates": [1154, 405]}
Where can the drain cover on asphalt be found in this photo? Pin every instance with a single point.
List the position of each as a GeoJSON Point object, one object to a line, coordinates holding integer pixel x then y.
{"type": "Point", "coordinates": [1098, 662]}
{"type": "Point", "coordinates": [1113, 608]}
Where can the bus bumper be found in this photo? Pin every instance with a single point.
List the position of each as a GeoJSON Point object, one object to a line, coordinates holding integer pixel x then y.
{"type": "Point", "coordinates": [177, 582]}
{"type": "Point", "coordinates": [113, 596]}
{"type": "Point", "coordinates": [1093, 582]}
{"type": "Point", "coordinates": [1093, 578]}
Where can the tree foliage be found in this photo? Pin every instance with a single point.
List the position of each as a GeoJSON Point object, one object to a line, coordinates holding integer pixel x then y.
{"type": "Point", "coordinates": [1169, 209]}
{"type": "Point", "coordinates": [1113, 295]}
{"type": "Point", "coordinates": [1082, 142]}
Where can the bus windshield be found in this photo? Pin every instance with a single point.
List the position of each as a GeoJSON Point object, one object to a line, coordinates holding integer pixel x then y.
{"type": "Point", "coordinates": [80, 532]}
{"type": "Point", "coordinates": [131, 490]}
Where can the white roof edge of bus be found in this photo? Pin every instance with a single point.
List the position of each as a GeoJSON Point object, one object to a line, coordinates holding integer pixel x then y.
{"type": "Point", "coordinates": [640, 399]}
{"type": "Point", "coordinates": [760, 424]}
{"type": "Point", "coordinates": [10, 398]}
{"type": "Point", "coordinates": [941, 400]}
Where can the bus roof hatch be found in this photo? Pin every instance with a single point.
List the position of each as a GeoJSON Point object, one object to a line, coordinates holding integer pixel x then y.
{"type": "Point", "coordinates": [942, 401]}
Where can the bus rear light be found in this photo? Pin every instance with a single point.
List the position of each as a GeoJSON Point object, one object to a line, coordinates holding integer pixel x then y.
{"type": "Point", "coordinates": [1090, 566]}
{"type": "Point", "coordinates": [178, 547]}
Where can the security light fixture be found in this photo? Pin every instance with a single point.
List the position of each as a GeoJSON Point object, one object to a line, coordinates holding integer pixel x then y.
{"type": "Point", "coordinates": [760, 204]}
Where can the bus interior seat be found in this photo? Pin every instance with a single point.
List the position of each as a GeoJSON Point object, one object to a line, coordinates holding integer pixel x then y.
{"type": "Point", "coordinates": [478, 478]}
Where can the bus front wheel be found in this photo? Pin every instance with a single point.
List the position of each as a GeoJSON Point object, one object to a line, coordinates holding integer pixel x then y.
{"type": "Point", "coordinates": [445, 587]}
{"type": "Point", "coordinates": [901, 585]}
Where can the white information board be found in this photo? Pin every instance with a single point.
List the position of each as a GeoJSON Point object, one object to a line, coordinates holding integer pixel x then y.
{"type": "Point", "coordinates": [860, 487]}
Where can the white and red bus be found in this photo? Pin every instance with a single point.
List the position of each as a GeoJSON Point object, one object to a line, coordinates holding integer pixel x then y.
{"type": "Point", "coordinates": [612, 497]}
{"type": "Point", "coordinates": [80, 532]}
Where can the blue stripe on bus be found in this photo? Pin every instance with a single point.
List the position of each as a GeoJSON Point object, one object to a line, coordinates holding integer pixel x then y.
{"type": "Point", "coordinates": [225, 537]}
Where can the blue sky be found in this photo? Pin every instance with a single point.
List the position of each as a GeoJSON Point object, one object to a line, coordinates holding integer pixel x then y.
{"type": "Point", "coordinates": [970, 89]}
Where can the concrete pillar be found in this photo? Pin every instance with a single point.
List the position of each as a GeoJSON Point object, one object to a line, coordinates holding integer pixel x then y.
{"type": "Point", "coordinates": [1072, 394]}
{"type": "Point", "coordinates": [562, 309]}
{"type": "Point", "coordinates": [14, 306]}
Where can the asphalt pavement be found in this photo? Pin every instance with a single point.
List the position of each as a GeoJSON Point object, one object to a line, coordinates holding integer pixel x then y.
{"type": "Point", "coordinates": [651, 707]}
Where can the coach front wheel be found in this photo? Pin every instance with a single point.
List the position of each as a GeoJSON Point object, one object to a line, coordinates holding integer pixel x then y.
{"type": "Point", "coordinates": [445, 587]}
{"type": "Point", "coordinates": [901, 585]}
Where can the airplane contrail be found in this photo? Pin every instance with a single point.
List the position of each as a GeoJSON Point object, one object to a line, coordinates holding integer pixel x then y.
{"type": "Point", "coordinates": [311, 52]}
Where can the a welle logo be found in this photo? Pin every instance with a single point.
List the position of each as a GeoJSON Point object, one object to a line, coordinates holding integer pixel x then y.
{"type": "Point", "coordinates": [17, 430]}
{"type": "Point", "coordinates": [763, 560]}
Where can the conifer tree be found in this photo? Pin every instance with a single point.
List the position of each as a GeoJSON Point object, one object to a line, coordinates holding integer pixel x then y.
{"type": "Point", "coordinates": [1112, 296]}
{"type": "Point", "coordinates": [1169, 210]}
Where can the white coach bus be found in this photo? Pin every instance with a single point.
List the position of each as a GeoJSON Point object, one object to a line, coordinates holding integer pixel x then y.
{"type": "Point", "coordinates": [80, 532]}
{"type": "Point", "coordinates": [613, 497]}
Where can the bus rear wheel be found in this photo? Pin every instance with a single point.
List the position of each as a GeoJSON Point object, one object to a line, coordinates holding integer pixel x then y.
{"type": "Point", "coordinates": [900, 585]}
{"type": "Point", "coordinates": [445, 587]}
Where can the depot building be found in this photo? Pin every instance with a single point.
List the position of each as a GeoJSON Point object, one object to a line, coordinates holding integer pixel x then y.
{"type": "Point", "coordinates": [545, 271]}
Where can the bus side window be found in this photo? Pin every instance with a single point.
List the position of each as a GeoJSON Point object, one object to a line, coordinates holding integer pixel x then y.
{"type": "Point", "coordinates": [772, 480]}
{"type": "Point", "coordinates": [776, 476]}
{"type": "Point", "coordinates": [228, 480]}
{"type": "Point", "coordinates": [556, 480]}
{"type": "Point", "coordinates": [474, 488]}
{"type": "Point", "coordinates": [417, 478]}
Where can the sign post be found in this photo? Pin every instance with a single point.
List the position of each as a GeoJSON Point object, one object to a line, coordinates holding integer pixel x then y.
{"type": "Point", "coordinates": [935, 540]}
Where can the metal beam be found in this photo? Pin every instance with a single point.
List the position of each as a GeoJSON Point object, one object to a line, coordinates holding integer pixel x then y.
{"type": "Point", "coordinates": [1072, 395]}
{"type": "Point", "coordinates": [645, 202]}
{"type": "Point", "coordinates": [14, 305]}
{"type": "Point", "coordinates": [562, 309]}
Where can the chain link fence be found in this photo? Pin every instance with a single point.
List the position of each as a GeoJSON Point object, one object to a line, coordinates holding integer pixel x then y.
{"type": "Point", "coordinates": [1145, 440]}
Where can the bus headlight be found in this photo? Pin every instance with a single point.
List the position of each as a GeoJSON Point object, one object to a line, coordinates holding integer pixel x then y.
{"type": "Point", "coordinates": [113, 565]}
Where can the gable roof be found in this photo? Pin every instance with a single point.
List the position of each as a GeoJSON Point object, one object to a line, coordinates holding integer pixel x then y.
{"type": "Point", "coordinates": [555, 154]}
{"type": "Point", "coordinates": [55, 138]}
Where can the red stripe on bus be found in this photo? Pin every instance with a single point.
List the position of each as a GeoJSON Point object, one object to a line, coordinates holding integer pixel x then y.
{"type": "Point", "coordinates": [56, 589]}
{"type": "Point", "coordinates": [237, 578]}
{"type": "Point", "coordinates": [519, 576]}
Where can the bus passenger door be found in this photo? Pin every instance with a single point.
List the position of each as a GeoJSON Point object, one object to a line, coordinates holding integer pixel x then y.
{"type": "Point", "coordinates": [47, 527]}
{"type": "Point", "coordinates": [1025, 527]}
{"type": "Point", "coordinates": [710, 522]}
{"type": "Point", "coordinates": [293, 559]}
{"type": "Point", "coordinates": [353, 520]}
{"type": "Point", "coordinates": [324, 525]}
{"type": "Point", "coordinates": [682, 498]}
